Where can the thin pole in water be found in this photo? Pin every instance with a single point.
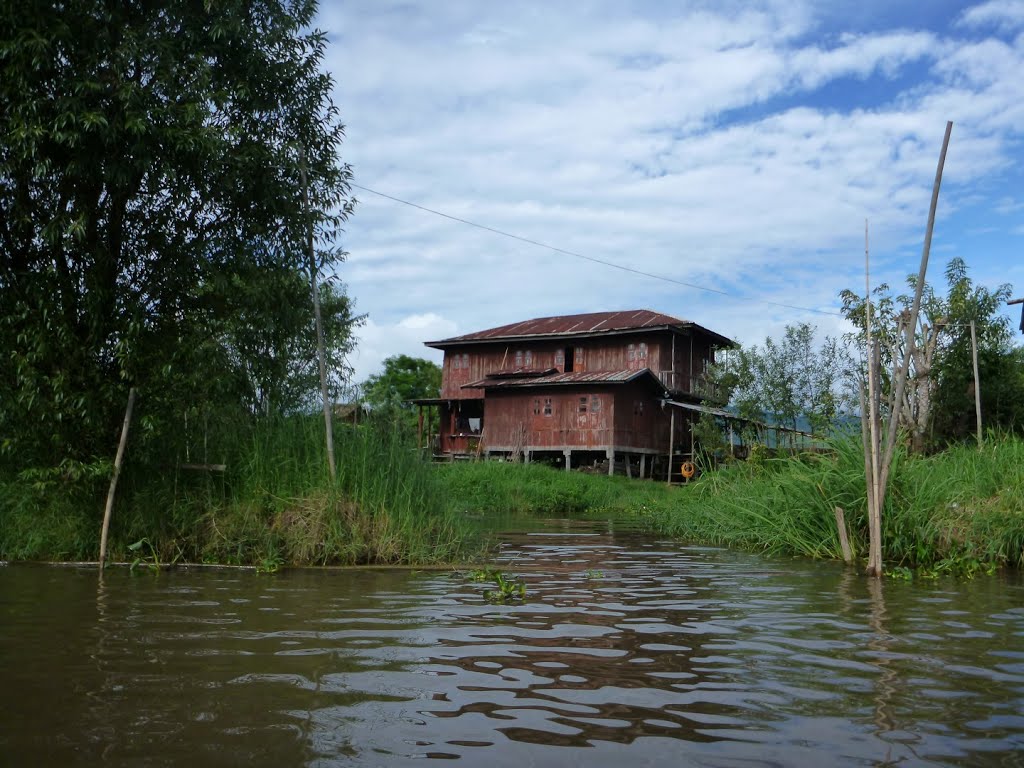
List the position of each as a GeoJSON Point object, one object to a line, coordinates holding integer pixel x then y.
{"type": "Point", "coordinates": [874, 508]}
{"type": "Point", "coordinates": [874, 560]}
{"type": "Point", "coordinates": [117, 473]}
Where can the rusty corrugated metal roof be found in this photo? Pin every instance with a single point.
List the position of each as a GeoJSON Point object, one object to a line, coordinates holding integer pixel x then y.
{"type": "Point", "coordinates": [560, 379]}
{"type": "Point", "coordinates": [561, 325]}
{"type": "Point", "coordinates": [591, 323]}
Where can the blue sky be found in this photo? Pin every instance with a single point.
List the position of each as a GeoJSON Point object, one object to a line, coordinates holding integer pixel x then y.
{"type": "Point", "coordinates": [738, 146]}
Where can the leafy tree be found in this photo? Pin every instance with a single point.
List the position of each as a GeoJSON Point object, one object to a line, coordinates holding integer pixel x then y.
{"type": "Point", "coordinates": [938, 404]}
{"type": "Point", "coordinates": [404, 378]}
{"type": "Point", "coordinates": [999, 373]}
{"type": "Point", "coordinates": [150, 206]}
{"type": "Point", "coordinates": [272, 340]}
{"type": "Point", "coordinates": [792, 382]}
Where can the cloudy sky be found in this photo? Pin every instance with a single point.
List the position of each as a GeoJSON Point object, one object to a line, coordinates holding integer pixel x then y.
{"type": "Point", "coordinates": [731, 146]}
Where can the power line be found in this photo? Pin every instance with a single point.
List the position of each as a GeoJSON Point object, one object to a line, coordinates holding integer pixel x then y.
{"type": "Point", "coordinates": [593, 259]}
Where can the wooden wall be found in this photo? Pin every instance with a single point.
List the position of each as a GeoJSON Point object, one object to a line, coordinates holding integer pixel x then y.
{"type": "Point", "coordinates": [616, 353]}
{"type": "Point", "coordinates": [552, 418]}
{"type": "Point", "coordinates": [626, 416]}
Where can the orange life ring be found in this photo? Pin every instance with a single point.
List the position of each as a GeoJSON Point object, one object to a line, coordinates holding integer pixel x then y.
{"type": "Point", "coordinates": [688, 469]}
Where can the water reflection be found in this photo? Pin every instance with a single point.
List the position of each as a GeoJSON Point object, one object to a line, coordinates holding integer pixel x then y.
{"type": "Point", "coordinates": [625, 649]}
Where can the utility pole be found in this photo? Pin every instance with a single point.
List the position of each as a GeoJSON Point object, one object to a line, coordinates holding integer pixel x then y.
{"type": "Point", "coordinates": [315, 288]}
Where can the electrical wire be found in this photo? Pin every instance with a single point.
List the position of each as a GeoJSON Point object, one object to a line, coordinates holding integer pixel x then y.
{"type": "Point", "coordinates": [593, 259]}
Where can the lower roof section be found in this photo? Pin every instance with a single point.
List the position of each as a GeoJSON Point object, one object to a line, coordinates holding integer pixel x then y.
{"type": "Point", "coordinates": [574, 378]}
{"type": "Point", "coordinates": [730, 416]}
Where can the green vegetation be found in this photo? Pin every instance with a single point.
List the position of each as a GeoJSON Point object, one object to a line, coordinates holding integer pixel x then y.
{"type": "Point", "coordinates": [403, 379]}
{"type": "Point", "coordinates": [504, 490]}
{"type": "Point", "coordinates": [275, 505]}
{"type": "Point", "coordinates": [955, 511]}
{"type": "Point", "coordinates": [165, 173]}
{"type": "Point", "coordinates": [794, 381]}
{"type": "Point", "coordinates": [507, 587]}
{"type": "Point", "coordinates": [959, 512]}
{"type": "Point", "coordinates": [939, 401]}
{"type": "Point", "coordinates": [153, 226]}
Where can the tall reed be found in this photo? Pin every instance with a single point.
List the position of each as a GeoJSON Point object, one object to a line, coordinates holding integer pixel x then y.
{"type": "Point", "coordinates": [274, 505]}
{"type": "Point", "coordinates": [962, 507]}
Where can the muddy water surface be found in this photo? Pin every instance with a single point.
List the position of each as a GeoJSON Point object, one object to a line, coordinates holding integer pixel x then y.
{"type": "Point", "coordinates": [627, 651]}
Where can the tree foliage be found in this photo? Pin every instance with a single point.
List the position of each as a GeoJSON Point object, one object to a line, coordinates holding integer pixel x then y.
{"type": "Point", "coordinates": [403, 378]}
{"type": "Point", "coordinates": [938, 404]}
{"type": "Point", "coordinates": [793, 382]}
{"type": "Point", "coordinates": [152, 225]}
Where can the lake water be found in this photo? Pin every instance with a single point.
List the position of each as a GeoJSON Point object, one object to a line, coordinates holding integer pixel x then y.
{"type": "Point", "coordinates": [627, 651]}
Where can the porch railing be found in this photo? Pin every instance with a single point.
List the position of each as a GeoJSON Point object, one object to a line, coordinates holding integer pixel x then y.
{"type": "Point", "coordinates": [698, 384]}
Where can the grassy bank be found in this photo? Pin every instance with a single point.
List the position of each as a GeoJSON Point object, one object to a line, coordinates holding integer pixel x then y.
{"type": "Point", "coordinates": [958, 511]}
{"type": "Point", "coordinates": [275, 505]}
{"type": "Point", "coordinates": [495, 489]}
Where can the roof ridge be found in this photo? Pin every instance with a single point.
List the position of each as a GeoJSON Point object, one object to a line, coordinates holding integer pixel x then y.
{"type": "Point", "coordinates": [574, 325]}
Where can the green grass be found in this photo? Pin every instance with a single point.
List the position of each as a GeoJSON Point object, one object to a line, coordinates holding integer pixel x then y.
{"type": "Point", "coordinates": [276, 505]}
{"type": "Point", "coordinates": [496, 489]}
{"type": "Point", "coordinates": [958, 511]}
{"type": "Point", "coordinates": [955, 511]}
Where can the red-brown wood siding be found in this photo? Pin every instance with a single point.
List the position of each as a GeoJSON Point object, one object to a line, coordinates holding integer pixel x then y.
{"type": "Point", "coordinates": [509, 412]}
{"type": "Point", "coordinates": [618, 422]}
{"type": "Point", "coordinates": [465, 364]}
{"type": "Point", "coordinates": [691, 348]}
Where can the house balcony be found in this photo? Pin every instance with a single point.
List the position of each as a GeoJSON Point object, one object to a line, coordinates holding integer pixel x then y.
{"type": "Point", "coordinates": [698, 385]}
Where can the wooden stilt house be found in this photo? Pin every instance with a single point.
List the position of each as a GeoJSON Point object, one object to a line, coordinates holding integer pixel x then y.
{"type": "Point", "coordinates": [607, 387]}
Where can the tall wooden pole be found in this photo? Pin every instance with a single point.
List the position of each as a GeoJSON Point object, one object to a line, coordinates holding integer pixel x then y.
{"type": "Point", "coordinates": [871, 434]}
{"type": "Point", "coordinates": [117, 473]}
{"type": "Point", "coordinates": [901, 378]}
{"type": "Point", "coordinates": [671, 444]}
{"type": "Point", "coordinates": [321, 355]}
{"type": "Point", "coordinates": [977, 381]}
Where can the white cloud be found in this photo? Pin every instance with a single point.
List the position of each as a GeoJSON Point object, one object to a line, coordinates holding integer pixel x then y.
{"type": "Point", "coordinates": [1003, 14]}
{"type": "Point", "coordinates": [861, 56]}
{"type": "Point", "coordinates": [733, 147]}
{"type": "Point", "coordinates": [398, 336]}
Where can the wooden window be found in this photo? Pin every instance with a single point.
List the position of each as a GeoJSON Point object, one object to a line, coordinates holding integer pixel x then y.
{"type": "Point", "coordinates": [579, 356]}
{"type": "Point", "coordinates": [559, 358]}
{"type": "Point", "coordinates": [631, 353]}
{"type": "Point", "coordinates": [547, 406]}
{"type": "Point", "coordinates": [465, 360]}
{"type": "Point", "coordinates": [642, 351]}
{"type": "Point", "coordinates": [528, 358]}
{"type": "Point", "coordinates": [595, 404]}
{"type": "Point", "coordinates": [536, 406]}
{"type": "Point", "coordinates": [455, 363]}
{"type": "Point", "coordinates": [519, 358]}
{"type": "Point", "coordinates": [638, 407]}
{"type": "Point", "coordinates": [583, 405]}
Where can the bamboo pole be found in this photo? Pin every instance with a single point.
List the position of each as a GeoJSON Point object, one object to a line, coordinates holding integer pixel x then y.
{"type": "Point", "coordinates": [671, 444]}
{"type": "Point", "coordinates": [844, 539]}
{"type": "Point", "coordinates": [872, 471]}
{"type": "Point", "coordinates": [901, 379]}
{"type": "Point", "coordinates": [977, 381]}
{"type": "Point", "coordinates": [320, 353]}
{"type": "Point", "coordinates": [419, 428]}
{"type": "Point", "coordinates": [117, 473]}
{"type": "Point", "coordinates": [865, 434]}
